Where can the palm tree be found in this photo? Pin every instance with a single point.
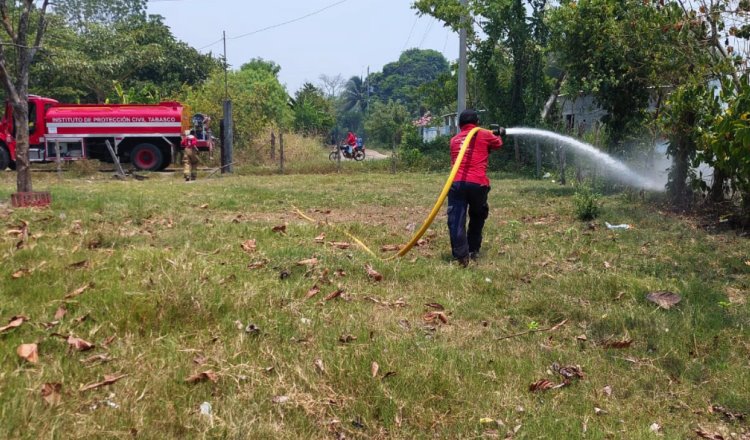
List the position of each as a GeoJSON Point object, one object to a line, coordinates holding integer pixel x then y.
{"type": "Point", "coordinates": [355, 95]}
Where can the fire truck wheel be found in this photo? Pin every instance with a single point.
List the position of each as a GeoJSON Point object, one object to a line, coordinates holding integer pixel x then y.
{"type": "Point", "coordinates": [4, 159]}
{"type": "Point", "coordinates": [146, 157]}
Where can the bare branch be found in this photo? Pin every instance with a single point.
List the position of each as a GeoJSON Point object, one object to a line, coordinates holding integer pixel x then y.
{"type": "Point", "coordinates": [40, 28]}
{"type": "Point", "coordinates": [7, 24]}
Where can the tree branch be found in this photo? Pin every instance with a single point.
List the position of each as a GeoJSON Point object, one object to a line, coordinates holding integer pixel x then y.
{"type": "Point", "coordinates": [7, 24]}
{"type": "Point", "coordinates": [40, 28]}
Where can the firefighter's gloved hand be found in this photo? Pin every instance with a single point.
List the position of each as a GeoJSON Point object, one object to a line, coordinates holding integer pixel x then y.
{"type": "Point", "coordinates": [499, 131]}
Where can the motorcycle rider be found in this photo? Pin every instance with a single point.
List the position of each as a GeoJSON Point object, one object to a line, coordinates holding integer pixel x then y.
{"type": "Point", "coordinates": [351, 142]}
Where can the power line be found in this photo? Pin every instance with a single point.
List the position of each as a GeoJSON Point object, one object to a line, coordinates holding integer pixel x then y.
{"type": "Point", "coordinates": [426, 32]}
{"type": "Point", "coordinates": [208, 45]}
{"type": "Point", "coordinates": [410, 32]}
{"type": "Point", "coordinates": [290, 21]}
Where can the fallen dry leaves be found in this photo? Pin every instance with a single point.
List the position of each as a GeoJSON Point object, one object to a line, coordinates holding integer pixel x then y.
{"type": "Point", "coordinates": [15, 322]}
{"type": "Point", "coordinates": [79, 291]}
{"type": "Point", "coordinates": [257, 264]}
{"type": "Point", "coordinates": [109, 379]}
{"type": "Point", "coordinates": [51, 393]}
{"type": "Point", "coordinates": [435, 306]}
{"type": "Point", "coordinates": [60, 313]}
{"type": "Point", "coordinates": [622, 343]}
{"type": "Point", "coordinates": [320, 238]}
{"type": "Point", "coordinates": [79, 344]}
{"type": "Point", "coordinates": [249, 246]}
{"type": "Point", "coordinates": [281, 229]}
{"type": "Point", "coordinates": [310, 262]}
{"type": "Point", "coordinates": [20, 273]}
{"type": "Point", "coordinates": [702, 433]}
{"type": "Point", "coordinates": [432, 317]}
{"type": "Point", "coordinates": [340, 244]}
{"type": "Point", "coordinates": [372, 273]}
{"type": "Point", "coordinates": [345, 339]}
{"type": "Point", "coordinates": [664, 299]}
{"type": "Point", "coordinates": [203, 376]}
{"type": "Point", "coordinates": [319, 366]}
{"type": "Point", "coordinates": [314, 290]}
{"type": "Point", "coordinates": [333, 295]}
{"type": "Point", "coordinates": [28, 352]}
{"type": "Point", "coordinates": [541, 385]}
{"type": "Point", "coordinates": [374, 367]}
{"type": "Point", "coordinates": [84, 264]}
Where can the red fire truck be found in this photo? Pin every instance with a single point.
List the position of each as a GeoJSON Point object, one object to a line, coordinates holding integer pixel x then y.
{"type": "Point", "coordinates": [148, 136]}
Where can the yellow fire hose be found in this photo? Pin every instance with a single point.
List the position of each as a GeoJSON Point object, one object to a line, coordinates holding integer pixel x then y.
{"type": "Point", "coordinates": [435, 209]}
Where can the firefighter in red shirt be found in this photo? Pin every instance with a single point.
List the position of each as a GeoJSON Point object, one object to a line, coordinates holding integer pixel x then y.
{"type": "Point", "coordinates": [469, 190]}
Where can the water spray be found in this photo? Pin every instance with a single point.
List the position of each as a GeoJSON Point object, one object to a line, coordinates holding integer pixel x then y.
{"type": "Point", "coordinates": [619, 171]}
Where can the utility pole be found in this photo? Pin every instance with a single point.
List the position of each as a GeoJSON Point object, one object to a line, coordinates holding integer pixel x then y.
{"type": "Point", "coordinates": [227, 144]}
{"type": "Point", "coordinates": [226, 66]}
{"type": "Point", "coordinates": [462, 62]}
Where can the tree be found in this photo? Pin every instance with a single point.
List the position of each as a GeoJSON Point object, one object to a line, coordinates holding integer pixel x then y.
{"type": "Point", "coordinates": [81, 13]}
{"type": "Point", "coordinates": [508, 61]}
{"type": "Point", "coordinates": [331, 84]}
{"type": "Point", "coordinates": [355, 95]}
{"type": "Point", "coordinates": [15, 78]}
{"type": "Point", "coordinates": [401, 80]}
{"type": "Point", "coordinates": [258, 100]}
{"type": "Point", "coordinates": [607, 49]}
{"type": "Point", "coordinates": [386, 122]}
{"type": "Point", "coordinates": [138, 58]}
{"type": "Point", "coordinates": [313, 113]}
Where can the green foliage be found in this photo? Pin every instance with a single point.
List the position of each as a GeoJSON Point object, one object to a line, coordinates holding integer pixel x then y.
{"type": "Point", "coordinates": [82, 13]}
{"type": "Point", "coordinates": [604, 46]}
{"type": "Point", "coordinates": [401, 80]}
{"type": "Point", "coordinates": [258, 101]}
{"type": "Point", "coordinates": [386, 122]}
{"type": "Point", "coordinates": [313, 113]}
{"type": "Point", "coordinates": [681, 119]}
{"type": "Point", "coordinates": [725, 142]}
{"type": "Point", "coordinates": [141, 57]}
{"type": "Point", "coordinates": [586, 203]}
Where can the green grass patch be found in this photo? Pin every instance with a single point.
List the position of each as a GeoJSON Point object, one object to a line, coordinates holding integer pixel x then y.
{"type": "Point", "coordinates": [171, 294]}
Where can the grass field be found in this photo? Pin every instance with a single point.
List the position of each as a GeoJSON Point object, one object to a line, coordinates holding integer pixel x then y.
{"type": "Point", "coordinates": [169, 292]}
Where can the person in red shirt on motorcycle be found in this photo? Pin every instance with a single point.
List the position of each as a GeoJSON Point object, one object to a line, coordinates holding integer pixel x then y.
{"type": "Point", "coordinates": [351, 142]}
{"type": "Point", "coordinates": [469, 190]}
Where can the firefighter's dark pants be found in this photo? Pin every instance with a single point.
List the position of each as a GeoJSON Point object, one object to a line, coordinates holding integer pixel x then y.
{"type": "Point", "coordinates": [466, 197]}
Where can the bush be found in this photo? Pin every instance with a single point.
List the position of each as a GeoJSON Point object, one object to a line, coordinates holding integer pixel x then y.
{"type": "Point", "coordinates": [586, 203]}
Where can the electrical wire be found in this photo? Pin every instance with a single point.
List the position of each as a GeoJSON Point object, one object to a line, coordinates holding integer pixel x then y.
{"type": "Point", "coordinates": [289, 21]}
{"type": "Point", "coordinates": [410, 32]}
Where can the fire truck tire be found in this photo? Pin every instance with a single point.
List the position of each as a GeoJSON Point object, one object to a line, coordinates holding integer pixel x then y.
{"type": "Point", "coordinates": [4, 159]}
{"type": "Point", "coordinates": [146, 157]}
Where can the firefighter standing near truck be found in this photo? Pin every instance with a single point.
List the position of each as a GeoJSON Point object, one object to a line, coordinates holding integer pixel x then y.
{"type": "Point", "coordinates": [190, 158]}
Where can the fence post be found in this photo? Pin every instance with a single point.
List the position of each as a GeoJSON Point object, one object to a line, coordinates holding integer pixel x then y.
{"type": "Point", "coordinates": [281, 150]}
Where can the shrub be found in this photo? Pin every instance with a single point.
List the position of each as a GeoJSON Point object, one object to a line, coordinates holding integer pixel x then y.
{"type": "Point", "coordinates": [586, 201]}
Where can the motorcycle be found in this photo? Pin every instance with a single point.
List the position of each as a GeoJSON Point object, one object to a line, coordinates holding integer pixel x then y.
{"type": "Point", "coordinates": [358, 153]}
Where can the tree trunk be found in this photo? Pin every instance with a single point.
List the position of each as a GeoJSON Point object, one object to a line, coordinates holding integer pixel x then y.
{"type": "Point", "coordinates": [717, 186]}
{"type": "Point", "coordinates": [23, 171]}
{"type": "Point", "coordinates": [273, 146]}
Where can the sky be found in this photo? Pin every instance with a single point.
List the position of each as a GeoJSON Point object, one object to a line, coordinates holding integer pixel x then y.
{"type": "Point", "coordinates": [337, 36]}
